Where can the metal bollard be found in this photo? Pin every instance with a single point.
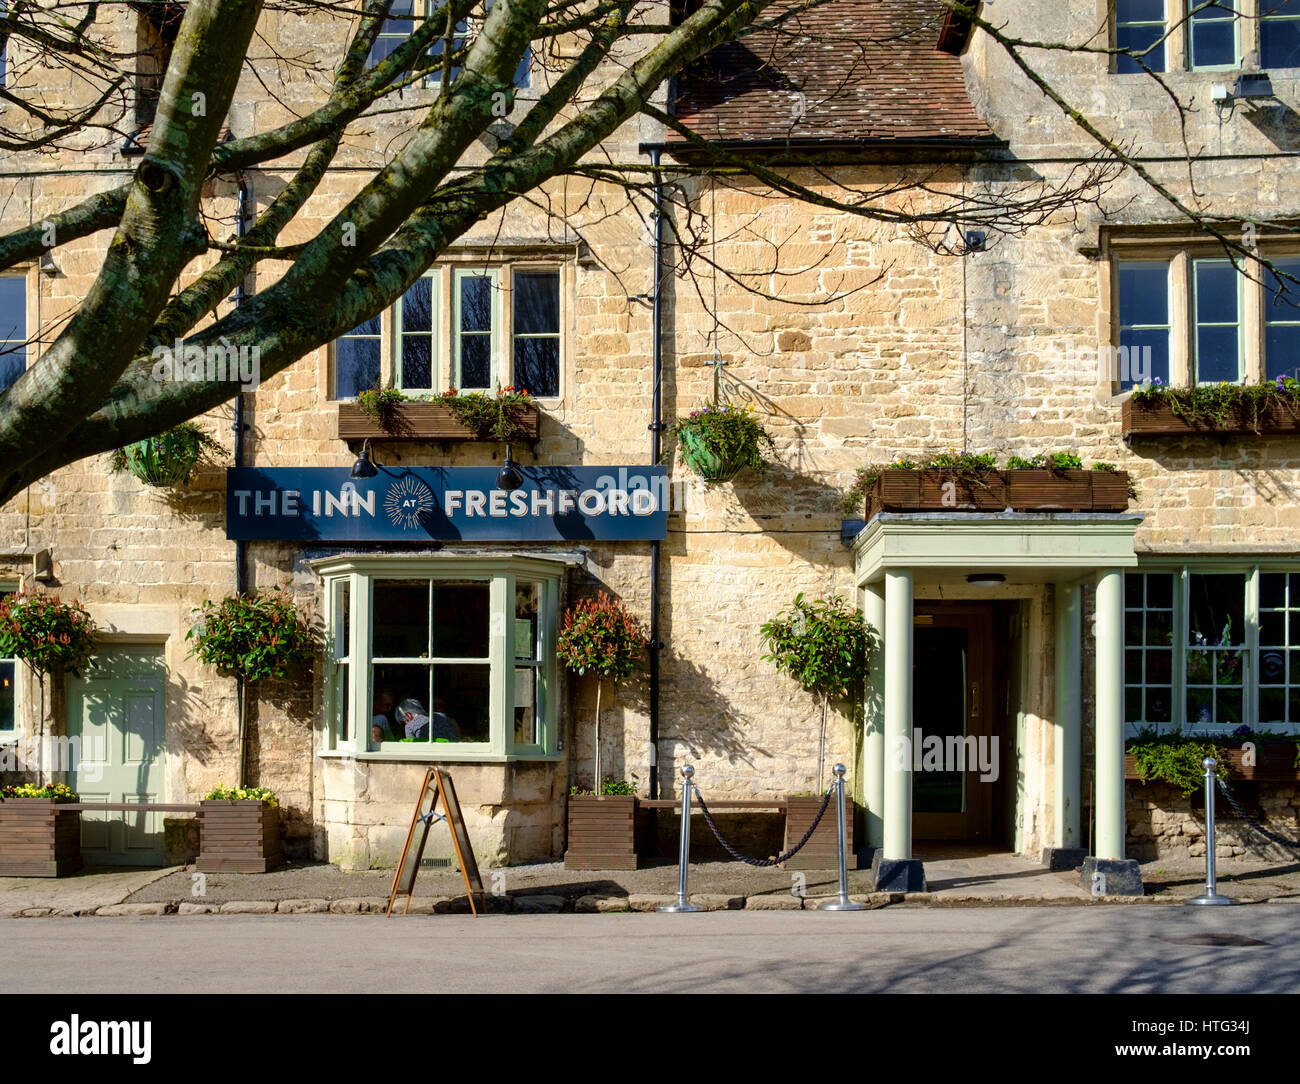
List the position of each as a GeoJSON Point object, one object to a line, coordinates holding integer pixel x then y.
{"type": "Point", "coordinates": [1210, 896]}
{"type": "Point", "coordinates": [843, 903]}
{"type": "Point", "coordinates": [683, 905]}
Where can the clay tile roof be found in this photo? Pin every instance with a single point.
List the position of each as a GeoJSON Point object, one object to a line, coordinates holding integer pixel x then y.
{"type": "Point", "coordinates": [866, 69]}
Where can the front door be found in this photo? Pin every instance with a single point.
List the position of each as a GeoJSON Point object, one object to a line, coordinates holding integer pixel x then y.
{"type": "Point", "coordinates": [116, 710]}
{"type": "Point", "coordinates": [952, 725]}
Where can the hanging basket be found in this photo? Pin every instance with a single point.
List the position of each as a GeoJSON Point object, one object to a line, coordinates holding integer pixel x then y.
{"type": "Point", "coordinates": [157, 465]}
{"type": "Point", "coordinates": [704, 461]}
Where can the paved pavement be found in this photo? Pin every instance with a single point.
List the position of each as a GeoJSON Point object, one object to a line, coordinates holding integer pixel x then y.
{"type": "Point", "coordinates": [956, 876]}
{"type": "Point", "coordinates": [978, 950]}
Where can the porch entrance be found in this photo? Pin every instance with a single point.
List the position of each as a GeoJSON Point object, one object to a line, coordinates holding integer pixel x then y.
{"type": "Point", "coordinates": [955, 740]}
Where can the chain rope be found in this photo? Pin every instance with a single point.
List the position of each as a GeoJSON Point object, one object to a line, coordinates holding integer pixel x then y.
{"type": "Point", "coordinates": [708, 817]}
{"type": "Point", "coordinates": [1281, 840]}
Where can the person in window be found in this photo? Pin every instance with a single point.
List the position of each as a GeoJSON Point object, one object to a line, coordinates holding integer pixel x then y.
{"type": "Point", "coordinates": [381, 719]}
{"type": "Point", "coordinates": [440, 723]}
{"type": "Point", "coordinates": [413, 719]}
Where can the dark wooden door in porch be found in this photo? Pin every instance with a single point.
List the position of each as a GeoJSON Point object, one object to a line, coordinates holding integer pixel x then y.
{"type": "Point", "coordinates": [952, 703]}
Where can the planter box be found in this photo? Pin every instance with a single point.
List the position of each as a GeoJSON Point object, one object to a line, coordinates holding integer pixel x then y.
{"type": "Point", "coordinates": [1067, 491]}
{"type": "Point", "coordinates": [1274, 762]}
{"type": "Point", "coordinates": [421, 421]}
{"type": "Point", "coordinates": [823, 850]}
{"type": "Point", "coordinates": [602, 832]}
{"type": "Point", "coordinates": [238, 837]}
{"type": "Point", "coordinates": [38, 839]}
{"type": "Point", "coordinates": [936, 491]}
{"type": "Point", "coordinates": [1159, 420]}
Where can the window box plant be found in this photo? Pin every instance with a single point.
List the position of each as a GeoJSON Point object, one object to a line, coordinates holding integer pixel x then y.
{"type": "Point", "coordinates": [602, 827]}
{"type": "Point", "coordinates": [1244, 755]}
{"type": "Point", "coordinates": [822, 851]}
{"type": "Point", "coordinates": [37, 837]}
{"type": "Point", "coordinates": [385, 414]}
{"type": "Point", "coordinates": [239, 831]}
{"type": "Point", "coordinates": [718, 442]}
{"type": "Point", "coordinates": [1272, 406]}
{"type": "Point", "coordinates": [170, 458]}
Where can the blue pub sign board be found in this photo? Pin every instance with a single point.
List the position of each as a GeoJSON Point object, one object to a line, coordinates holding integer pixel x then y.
{"type": "Point", "coordinates": [446, 504]}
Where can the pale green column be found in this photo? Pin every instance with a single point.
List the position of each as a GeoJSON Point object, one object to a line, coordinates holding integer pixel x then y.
{"type": "Point", "coordinates": [873, 736]}
{"type": "Point", "coordinates": [1069, 722]}
{"type": "Point", "coordinates": [898, 715]}
{"type": "Point", "coordinates": [1109, 647]}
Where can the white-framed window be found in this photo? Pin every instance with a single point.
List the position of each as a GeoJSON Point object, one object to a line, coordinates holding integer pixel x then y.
{"type": "Point", "coordinates": [441, 658]}
{"type": "Point", "coordinates": [1216, 645]}
{"type": "Point", "coordinates": [1140, 28]}
{"type": "Point", "coordinates": [1144, 326]}
{"type": "Point", "coordinates": [1186, 314]}
{"type": "Point", "coordinates": [405, 15]}
{"type": "Point", "coordinates": [1216, 322]}
{"type": "Point", "coordinates": [10, 722]}
{"type": "Point", "coordinates": [1279, 33]}
{"type": "Point", "coordinates": [1212, 36]}
{"type": "Point", "coordinates": [476, 329]}
{"type": "Point", "coordinates": [13, 328]}
{"type": "Point", "coordinates": [472, 328]}
{"type": "Point", "coordinates": [1282, 320]}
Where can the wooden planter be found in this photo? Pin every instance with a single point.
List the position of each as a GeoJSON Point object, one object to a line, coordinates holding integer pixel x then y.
{"type": "Point", "coordinates": [38, 839]}
{"type": "Point", "coordinates": [602, 832]}
{"type": "Point", "coordinates": [823, 850]}
{"type": "Point", "coordinates": [238, 837]}
{"type": "Point", "coordinates": [1274, 763]}
{"type": "Point", "coordinates": [1067, 491]}
{"type": "Point", "coordinates": [936, 491]}
{"type": "Point", "coordinates": [1159, 420]}
{"type": "Point", "coordinates": [422, 421]}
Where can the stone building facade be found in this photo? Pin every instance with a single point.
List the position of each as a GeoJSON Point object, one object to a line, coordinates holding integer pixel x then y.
{"type": "Point", "coordinates": [860, 341]}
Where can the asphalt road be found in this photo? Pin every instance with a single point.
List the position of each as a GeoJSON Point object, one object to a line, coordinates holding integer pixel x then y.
{"type": "Point", "coordinates": [1100, 949]}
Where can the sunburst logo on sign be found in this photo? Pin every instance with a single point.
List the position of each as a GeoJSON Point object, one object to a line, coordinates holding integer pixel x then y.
{"type": "Point", "coordinates": [407, 502]}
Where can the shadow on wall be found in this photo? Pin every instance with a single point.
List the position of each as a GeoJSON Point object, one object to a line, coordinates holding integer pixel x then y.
{"type": "Point", "coordinates": [697, 715]}
{"type": "Point", "coordinates": [280, 739]}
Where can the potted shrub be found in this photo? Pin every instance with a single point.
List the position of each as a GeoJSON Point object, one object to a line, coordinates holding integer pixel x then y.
{"type": "Point", "coordinates": [50, 636]}
{"type": "Point", "coordinates": [826, 647]}
{"type": "Point", "coordinates": [239, 830]}
{"type": "Point", "coordinates": [1271, 406]}
{"type": "Point", "coordinates": [170, 458]}
{"type": "Point", "coordinates": [252, 638]}
{"type": "Point", "coordinates": [600, 637]}
{"type": "Point", "coordinates": [386, 414]}
{"type": "Point", "coordinates": [37, 838]}
{"type": "Point", "coordinates": [602, 827]}
{"type": "Point", "coordinates": [718, 442]}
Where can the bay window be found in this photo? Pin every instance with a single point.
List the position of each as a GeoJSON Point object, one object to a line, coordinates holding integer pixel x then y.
{"type": "Point", "coordinates": [441, 658]}
{"type": "Point", "coordinates": [469, 328]}
{"type": "Point", "coordinates": [1213, 647]}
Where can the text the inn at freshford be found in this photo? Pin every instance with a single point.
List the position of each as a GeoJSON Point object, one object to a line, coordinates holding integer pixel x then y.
{"type": "Point", "coordinates": [439, 573]}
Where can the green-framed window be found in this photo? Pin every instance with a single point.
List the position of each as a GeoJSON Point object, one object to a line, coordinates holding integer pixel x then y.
{"type": "Point", "coordinates": [437, 659]}
{"type": "Point", "coordinates": [1213, 41]}
{"type": "Point", "coordinates": [1214, 645]}
{"type": "Point", "coordinates": [1279, 33]}
{"type": "Point", "coordinates": [1140, 28]}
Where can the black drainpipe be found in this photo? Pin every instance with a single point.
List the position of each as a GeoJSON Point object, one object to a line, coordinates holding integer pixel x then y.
{"type": "Point", "coordinates": [241, 552]}
{"type": "Point", "coordinates": [656, 451]}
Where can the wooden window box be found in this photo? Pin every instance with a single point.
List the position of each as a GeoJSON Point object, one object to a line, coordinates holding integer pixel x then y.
{"type": "Point", "coordinates": [1159, 420]}
{"type": "Point", "coordinates": [238, 837]}
{"type": "Point", "coordinates": [38, 839]}
{"type": "Point", "coordinates": [943, 490]}
{"type": "Point", "coordinates": [422, 421]}
{"type": "Point", "coordinates": [602, 832]}
{"type": "Point", "coordinates": [1274, 763]}
{"type": "Point", "coordinates": [1067, 491]}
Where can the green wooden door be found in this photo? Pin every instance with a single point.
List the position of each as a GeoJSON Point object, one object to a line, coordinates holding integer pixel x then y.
{"type": "Point", "coordinates": [116, 710]}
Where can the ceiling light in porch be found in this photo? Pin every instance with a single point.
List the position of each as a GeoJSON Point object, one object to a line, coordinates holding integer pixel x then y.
{"type": "Point", "coordinates": [986, 579]}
